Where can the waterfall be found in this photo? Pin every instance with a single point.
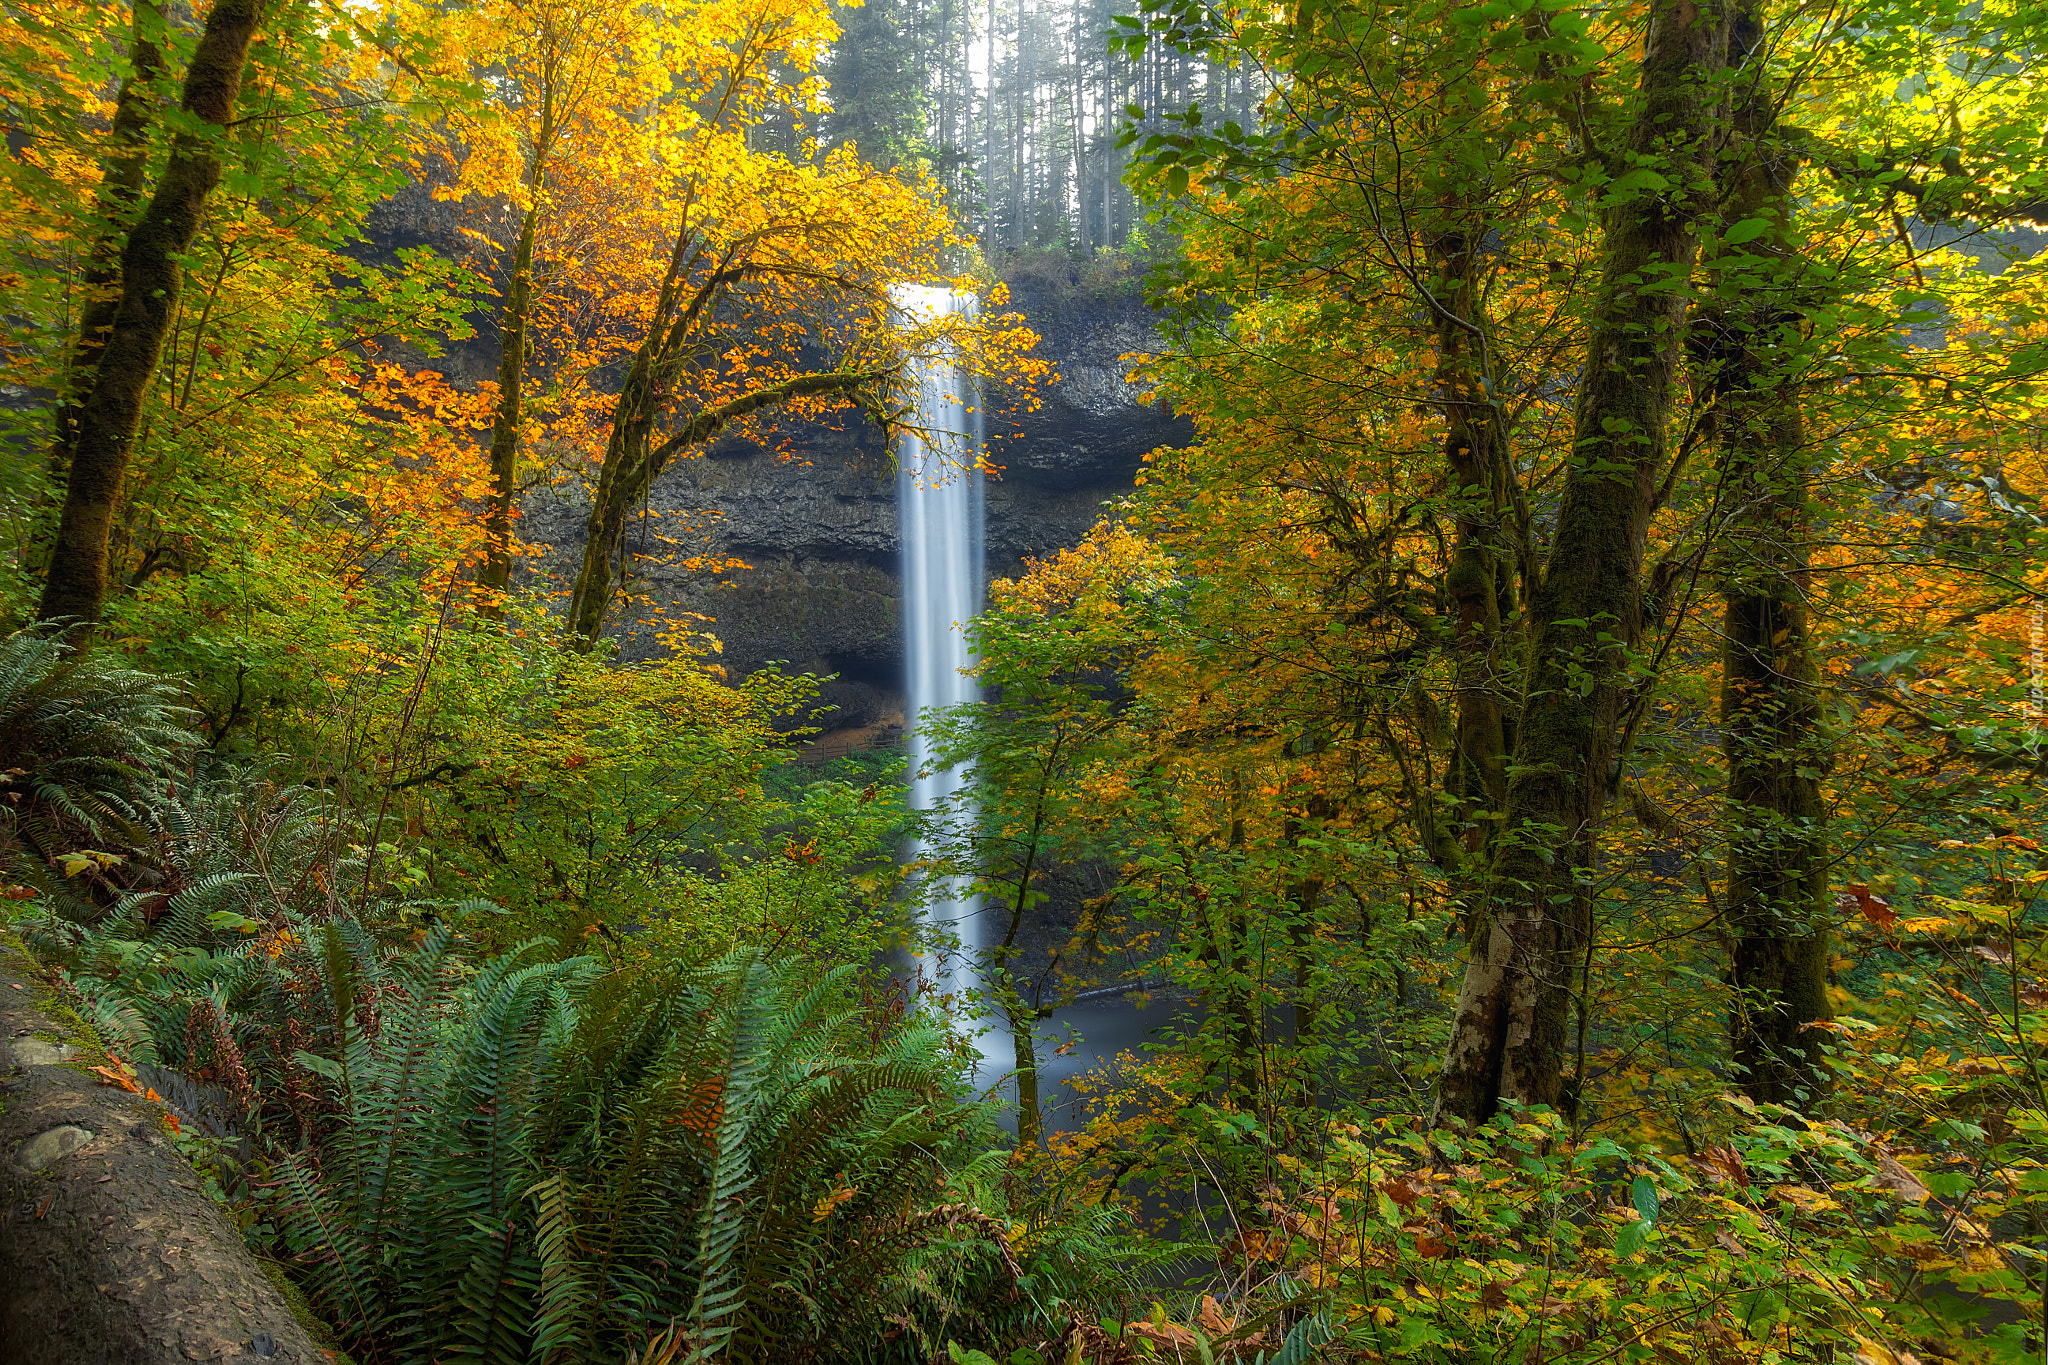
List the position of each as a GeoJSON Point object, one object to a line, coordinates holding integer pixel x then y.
{"type": "Point", "coordinates": [939, 518]}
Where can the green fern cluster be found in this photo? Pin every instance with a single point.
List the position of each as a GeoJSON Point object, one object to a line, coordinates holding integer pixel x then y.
{"type": "Point", "coordinates": [80, 740]}
{"type": "Point", "coordinates": [519, 1158]}
{"type": "Point", "coordinates": [229, 957]}
{"type": "Point", "coordinates": [556, 1160]}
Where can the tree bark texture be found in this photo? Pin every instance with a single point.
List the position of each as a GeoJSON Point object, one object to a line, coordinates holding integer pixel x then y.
{"type": "Point", "coordinates": [1510, 1036]}
{"type": "Point", "coordinates": [99, 285]}
{"type": "Point", "coordinates": [1305, 897]}
{"type": "Point", "coordinates": [1480, 581]}
{"type": "Point", "coordinates": [507, 419]}
{"type": "Point", "coordinates": [1023, 1018]}
{"type": "Point", "coordinates": [76, 586]}
{"type": "Point", "coordinates": [1773, 740]}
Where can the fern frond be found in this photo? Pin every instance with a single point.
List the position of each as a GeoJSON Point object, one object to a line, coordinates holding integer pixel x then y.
{"type": "Point", "coordinates": [561, 1322]}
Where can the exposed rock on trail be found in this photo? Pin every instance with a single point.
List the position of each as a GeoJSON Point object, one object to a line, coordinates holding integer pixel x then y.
{"type": "Point", "coordinates": [109, 1251]}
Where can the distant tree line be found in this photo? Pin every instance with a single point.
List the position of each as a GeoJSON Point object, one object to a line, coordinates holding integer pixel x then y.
{"type": "Point", "coordinates": [1016, 106]}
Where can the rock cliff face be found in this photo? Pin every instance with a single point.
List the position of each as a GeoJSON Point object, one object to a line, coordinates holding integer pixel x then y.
{"type": "Point", "coordinates": [810, 509]}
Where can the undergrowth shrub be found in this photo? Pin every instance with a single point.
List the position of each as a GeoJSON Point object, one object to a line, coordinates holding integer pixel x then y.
{"type": "Point", "coordinates": [555, 1160]}
{"type": "Point", "coordinates": [1788, 1239]}
{"type": "Point", "coordinates": [530, 1158]}
{"type": "Point", "coordinates": [224, 945]}
{"type": "Point", "coordinates": [664, 1146]}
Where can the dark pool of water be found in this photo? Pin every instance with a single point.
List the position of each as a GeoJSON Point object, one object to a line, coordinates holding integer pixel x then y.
{"type": "Point", "coordinates": [1082, 1038]}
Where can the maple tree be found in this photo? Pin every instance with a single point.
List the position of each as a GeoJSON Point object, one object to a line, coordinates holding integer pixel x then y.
{"type": "Point", "coordinates": [572, 79]}
{"type": "Point", "coordinates": [1379, 185]}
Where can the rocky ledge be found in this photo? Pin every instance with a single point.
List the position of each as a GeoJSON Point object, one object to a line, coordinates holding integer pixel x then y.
{"type": "Point", "coordinates": [809, 509]}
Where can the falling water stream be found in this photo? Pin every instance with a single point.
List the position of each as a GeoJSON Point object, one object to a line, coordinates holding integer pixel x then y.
{"type": "Point", "coordinates": [939, 512]}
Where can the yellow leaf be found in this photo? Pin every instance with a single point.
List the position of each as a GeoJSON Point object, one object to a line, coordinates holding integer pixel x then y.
{"type": "Point", "coordinates": [1805, 1200]}
{"type": "Point", "coordinates": [829, 1201]}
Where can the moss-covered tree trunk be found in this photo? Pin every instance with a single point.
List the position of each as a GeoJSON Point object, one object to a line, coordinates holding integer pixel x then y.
{"type": "Point", "coordinates": [1481, 579]}
{"type": "Point", "coordinates": [1773, 740]}
{"type": "Point", "coordinates": [1023, 1016]}
{"type": "Point", "coordinates": [1510, 1036]}
{"type": "Point", "coordinates": [508, 418]}
{"type": "Point", "coordinates": [120, 192]}
{"type": "Point", "coordinates": [75, 587]}
{"type": "Point", "coordinates": [1776, 749]}
{"type": "Point", "coordinates": [622, 480]}
{"type": "Point", "coordinates": [1304, 896]}
{"type": "Point", "coordinates": [515, 321]}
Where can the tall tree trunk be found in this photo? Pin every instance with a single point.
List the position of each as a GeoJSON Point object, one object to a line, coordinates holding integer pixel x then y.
{"type": "Point", "coordinates": [1481, 578]}
{"type": "Point", "coordinates": [120, 192]}
{"type": "Point", "coordinates": [1306, 896]}
{"type": "Point", "coordinates": [1776, 749]}
{"type": "Point", "coordinates": [1509, 1039]}
{"type": "Point", "coordinates": [1021, 1016]}
{"type": "Point", "coordinates": [1077, 104]}
{"type": "Point", "coordinates": [76, 586]}
{"type": "Point", "coordinates": [515, 341]}
{"type": "Point", "coordinates": [1239, 1004]}
{"type": "Point", "coordinates": [1772, 736]}
{"type": "Point", "coordinates": [507, 420]}
{"type": "Point", "coordinates": [988, 144]}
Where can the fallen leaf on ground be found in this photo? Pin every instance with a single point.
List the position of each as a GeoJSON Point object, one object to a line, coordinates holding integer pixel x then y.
{"type": "Point", "coordinates": [109, 1076]}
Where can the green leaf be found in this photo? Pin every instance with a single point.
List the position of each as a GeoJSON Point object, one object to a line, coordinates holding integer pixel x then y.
{"type": "Point", "coordinates": [1643, 1194]}
{"type": "Point", "coordinates": [1642, 178]}
{"type": "Point", "coordinates": [1748, 230]}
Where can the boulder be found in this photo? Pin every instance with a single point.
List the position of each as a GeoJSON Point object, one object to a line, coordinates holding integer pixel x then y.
{"type": "Point", "coordinates": [109, 1249]}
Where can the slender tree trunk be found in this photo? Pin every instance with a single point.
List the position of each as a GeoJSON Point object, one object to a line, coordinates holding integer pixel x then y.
{"type": "Point", "coordinates": [1772, 736]}
{"type": "Point", "coordinates": [1510, 1037]}
{"type": "Point", "coordinates": [1232, 928]}
{"type": "Point", "coordinates": [119, 193]}
{"type": "Point", "coordinates": [515, 321]}
{"type": "Point", "coordinates": [1014, 237]}
{"type": "Point", "coordinates": [76, 586]}
{"type": "Point", "coordinates": [1021, 1016]}
{"type": "Point", "coordinates": [988, 144]}
{"type": "Point", "coordinates": [1077, 101]}
{"type": "Point", "coordinates": [1776, 749]}
{"type": "Point", "coordinates": [1306, 896]}
{"type": "Point", "coordinates": [507, 420]}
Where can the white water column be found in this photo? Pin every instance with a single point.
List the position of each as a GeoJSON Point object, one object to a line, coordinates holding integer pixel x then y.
{"type": "Point", "coordinates": [939, 518]}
